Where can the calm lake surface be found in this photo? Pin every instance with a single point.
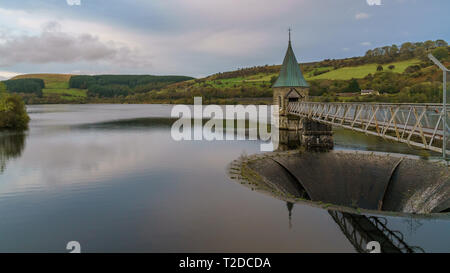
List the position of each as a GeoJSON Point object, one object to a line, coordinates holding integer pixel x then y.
{"type": "Point", "coordinates": [112, 178]}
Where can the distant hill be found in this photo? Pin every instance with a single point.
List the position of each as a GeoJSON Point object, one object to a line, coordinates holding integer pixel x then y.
{"type": "Point", "coordinates": [48, 78]}
{"type": "Point", "coordinates": [67, 88]}
{"type": "Point", "coordinates": [56, 88]}
{"type": "Point", "coordinates": [400, 73]}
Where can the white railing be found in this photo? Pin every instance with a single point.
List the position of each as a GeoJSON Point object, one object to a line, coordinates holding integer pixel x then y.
{"type": "Point", "coordinates": [419, 125]}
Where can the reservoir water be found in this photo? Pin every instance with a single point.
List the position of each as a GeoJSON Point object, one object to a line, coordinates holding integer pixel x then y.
{"type": "Point", "coordinates": [112, 178]}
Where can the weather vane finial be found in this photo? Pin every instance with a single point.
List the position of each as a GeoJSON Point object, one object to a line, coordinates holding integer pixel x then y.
{"type": "Point", "coordinates": [289, 29]}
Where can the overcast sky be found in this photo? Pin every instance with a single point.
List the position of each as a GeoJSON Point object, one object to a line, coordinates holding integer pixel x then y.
{"type": "Point", "coordinates": [202, 37]}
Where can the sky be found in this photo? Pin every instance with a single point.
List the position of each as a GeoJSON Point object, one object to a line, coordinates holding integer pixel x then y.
{"type": "Point", "coordinates": [202, 37]}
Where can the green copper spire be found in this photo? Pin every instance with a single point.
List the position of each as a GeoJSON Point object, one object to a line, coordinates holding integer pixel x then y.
{"type": "Point", "coordinates": [290, 74]}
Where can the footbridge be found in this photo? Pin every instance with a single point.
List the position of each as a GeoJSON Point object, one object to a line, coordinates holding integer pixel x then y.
{"type": "Point", "coordinates": [419, 125]}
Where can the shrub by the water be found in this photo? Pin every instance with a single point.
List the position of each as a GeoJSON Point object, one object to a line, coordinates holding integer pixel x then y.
{"type": "Point", "coordinates": [13, 114]}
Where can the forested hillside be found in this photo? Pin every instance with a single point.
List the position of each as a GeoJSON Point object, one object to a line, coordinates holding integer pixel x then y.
{"type": "Point", "coordinates": [26, 86]}
{"type": "Point", "coordinates": [122, 85]}
{"type": "Point", "coordinates": [400, 73]}
{"type": "Point", "coordinates": [63, 88]}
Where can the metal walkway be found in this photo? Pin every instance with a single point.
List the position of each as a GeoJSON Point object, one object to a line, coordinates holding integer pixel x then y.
{"type": "Point", "coordinates": [419, 125]}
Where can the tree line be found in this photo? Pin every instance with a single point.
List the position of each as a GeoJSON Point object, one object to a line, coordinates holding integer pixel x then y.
{"type": "Point", "coordinates": [122, 85]}
{"type": "Point", "coordinates": [25, 86]}
{"type": "Point", "coordinates": [406, 51]}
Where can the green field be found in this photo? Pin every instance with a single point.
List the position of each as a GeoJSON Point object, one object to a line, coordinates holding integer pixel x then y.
{"type": "Point", "coordinates": [57, 84]}
{"type": "Point", "coordinates": [359, 72]}
{"type": "Point", "coordinates": [62, 88]}
{"type": "Point", "coordinates": [345, 73]}
{"type": "Point", "coordinates": [254, 80]}
{"type": "Point", "coordinates": [71, 92]}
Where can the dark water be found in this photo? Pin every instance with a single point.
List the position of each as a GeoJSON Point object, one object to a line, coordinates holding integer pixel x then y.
{"type": "Point", "coordinates": [112, 178]}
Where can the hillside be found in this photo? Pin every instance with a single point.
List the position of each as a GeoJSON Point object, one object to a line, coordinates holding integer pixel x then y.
{"type": "Point", "coordinates": [2, 88]}
{"type": "Point", "coordinates": [343, 73]}
{"type": "Point", "coordinates": [48, 78]}
{"type": "Point", "coordinates": [56, 85]}
{"type": "Point", "coordinates": [400, 74]}
{"type": "Point", "coordinates": [361, 71]}
{"type": "Point", "coordinates": [66, 88]}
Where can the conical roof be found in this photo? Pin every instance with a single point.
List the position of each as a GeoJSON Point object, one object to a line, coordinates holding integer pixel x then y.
{"type": "Point", "coordinates": [290, 74]}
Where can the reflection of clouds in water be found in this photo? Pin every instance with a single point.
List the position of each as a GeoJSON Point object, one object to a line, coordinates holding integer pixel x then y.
{"type": "Point", "coordinates": [134, 183]}
{"type": "Point", "coordinates": [88, 156]}
{"type": "Point", "coordinates": [57, 115]}
{"type": "Point", "coordinates": [63, 159]}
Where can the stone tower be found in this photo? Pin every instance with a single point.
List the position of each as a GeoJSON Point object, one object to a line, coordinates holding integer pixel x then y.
{"type": "Point", "coordinates": [290, 85]}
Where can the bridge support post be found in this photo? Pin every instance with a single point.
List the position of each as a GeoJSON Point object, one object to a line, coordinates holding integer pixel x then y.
{"type": "Point", "coordinates": [290, 122]}
{"type": "Point", "coordinates": [316, 136]}
{"type": "Point", "coordinates": [297, 131]}
{"type": "Point", "coordinates": [289, 140]}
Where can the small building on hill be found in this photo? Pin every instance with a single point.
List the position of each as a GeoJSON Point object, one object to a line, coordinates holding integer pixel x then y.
{"type": "Point", "coordinates": [369, 92]}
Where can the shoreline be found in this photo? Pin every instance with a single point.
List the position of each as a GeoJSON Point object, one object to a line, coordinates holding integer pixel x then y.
{"type": "Point", "coordinates": [229, 101]}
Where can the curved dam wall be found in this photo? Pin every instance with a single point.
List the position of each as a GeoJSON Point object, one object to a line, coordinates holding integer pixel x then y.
{"type": "Point", "coordinates": [372, 181]}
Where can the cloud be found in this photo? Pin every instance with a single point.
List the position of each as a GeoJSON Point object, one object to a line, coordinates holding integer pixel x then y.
{"type": "Point", "coordinates": [361, 15]}
{"type": "Point", "coordinates": [201, 37]}
{"type": "Point", "coordinates": [4, 75]}
{"type": "Point", "coordinates": [73, 2]}
{"type": "Point", "coordinates": [374, 2]}
{"type": "Point", "coordinates": [233, 42]}
{"type": "Point", "coordinates": [55, 46]}
{"type": "Point", "coordinates": [366, 43]}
